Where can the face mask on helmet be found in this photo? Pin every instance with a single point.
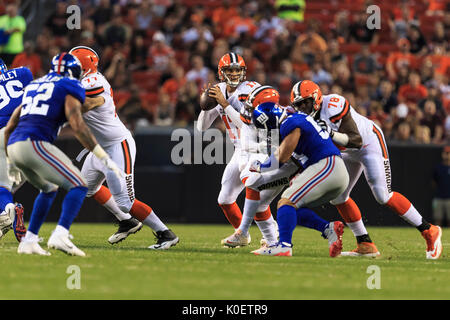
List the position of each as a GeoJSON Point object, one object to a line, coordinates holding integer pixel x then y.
{"type": "Point", "coordinates": [304, 105]}
{"type": "Point", "coordinates": [233, 75]}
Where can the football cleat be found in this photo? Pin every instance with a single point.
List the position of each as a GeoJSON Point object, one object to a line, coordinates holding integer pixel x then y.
{"type": "Point", "coordinates": [126, 227]}
{"type": "Point", "coordinates": [32, 247]}
{"type": "Point", "coordinates": [279, 249]}
{"type": "Point", "coordinates": [62, 242]}
{"type": "Point", "coordinates": [434, 245]}
{"type": "Point", "coordinates": [165, 240]}
{"type": "Point", "coordinates": [333, 233]}
{"type": "Point", "coordinates": [5, 224]}
{"type": "Point", "coordinates": [236, 240]}
{"type": "Point", "coordinates": [19, 226]}
{"type": "Point", "coordinates": [363, 249]}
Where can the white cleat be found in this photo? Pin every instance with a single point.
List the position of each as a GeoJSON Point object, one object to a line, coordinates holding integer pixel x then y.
{"type": "Point", "coordinates": [279, 249]}
{"type": "Point", "coordinates": [236, 240]}
{"type": "Point", "coordinates": [31, 247]}
{"type": "Point", "coordinates": [5, 224]}
{"type": "Point", "coordinates": [62, 242]}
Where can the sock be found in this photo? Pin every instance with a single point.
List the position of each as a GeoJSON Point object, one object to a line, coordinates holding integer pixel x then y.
{"type": "Point", "coordinates": [147, 216]}
{"type": "Point", "coordinates": [61, 230]}
{"type": "Point", "coordinates": [265, 223]}
{"type": "Point", "coordinates": [5, 198]}
{"type": "Point", "coordinates": [399, 204]}
{"type": "Point", "coordinates": [252, 198]}
{"type": "Point", "coordinates": [309, 219]}
{"type": "Point", "coordinates": [232, 213]}
{"type": "Point", "coordinates": [30, 237]}
{"type": "Point", "coordinates": [349, 211]}
{"type": "Point", "coordinates": [41, 207]}
{"type": "Point", "coordinates": [71, 206]}
{"type": "Point", "coordinates": [104, 197]}
{"type": "Point", "coordinates": [287, 220]}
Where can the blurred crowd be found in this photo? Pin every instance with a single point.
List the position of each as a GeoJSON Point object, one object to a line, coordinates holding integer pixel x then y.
{"type": "Point", "coordinates": [158, 54]}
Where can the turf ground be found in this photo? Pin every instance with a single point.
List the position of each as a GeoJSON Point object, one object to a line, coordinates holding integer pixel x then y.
{"type": "Point", "coordinates": [199, 268]}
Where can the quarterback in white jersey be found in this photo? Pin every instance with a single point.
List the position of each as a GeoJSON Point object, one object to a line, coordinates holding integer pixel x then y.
{"type": "Point", "coordinates": [230, 95]}
{"type": "Point", "coordinates": [363, 149]}
{"type": "Point", "coordinates": [100, 116]}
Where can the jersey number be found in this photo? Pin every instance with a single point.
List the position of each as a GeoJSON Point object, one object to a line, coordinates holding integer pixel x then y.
{"type": "Point", "coordinates": [8, 91]}
{"type": "Point", "coordinates": [323, 134]}
{"type": "Point", "coordinates": [34, 105]}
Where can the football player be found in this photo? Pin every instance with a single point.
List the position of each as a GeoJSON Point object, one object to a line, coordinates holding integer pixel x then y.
{"type": "Point", "coordinates": [363, 149]}
{"type": "Point", "coordinates": [261, 189]}
{"type": "Point", "coordinates": [12, 83]}
{"type": "Point", "coordinates": [230, 94]}
{"type": "Point", "coordinates": [48, 103]}
{"type": "Point", "coordinates": [323, 175]}
{"type": "Point", "coordinates": [101, 117]}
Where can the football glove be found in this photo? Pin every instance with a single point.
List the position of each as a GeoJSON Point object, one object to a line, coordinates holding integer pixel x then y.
{"type": "Point", "coordinates": [255, 166]}
{"type": "Point", "coordinates": [325, 127]}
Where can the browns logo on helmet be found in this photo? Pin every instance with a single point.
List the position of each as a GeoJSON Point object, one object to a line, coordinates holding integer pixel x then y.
{"type": "Point", "coordinates": [232, 69]}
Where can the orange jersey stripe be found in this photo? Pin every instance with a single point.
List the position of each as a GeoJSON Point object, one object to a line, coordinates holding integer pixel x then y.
{"type": "Point", "coordinates": [381, 141]}
{"type": "Point", "coordinates": [342, 114]}
{"type": "Point", "coordinates": [94, 92]}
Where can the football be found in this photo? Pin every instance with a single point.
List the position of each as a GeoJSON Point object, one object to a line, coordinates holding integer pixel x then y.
{"type": "Point", "coordinates": [206, 102]}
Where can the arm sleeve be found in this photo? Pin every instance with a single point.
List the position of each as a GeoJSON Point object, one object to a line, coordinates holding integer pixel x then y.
{"type": "Point", "coordinates": [234, 116]}
{"type": "Point", "coordinates": [206, 119]}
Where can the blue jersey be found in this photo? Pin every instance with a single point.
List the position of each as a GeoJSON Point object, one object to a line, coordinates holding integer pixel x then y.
{"type": "Point", "coordinates": [43, 107]}
{"type": "Point", "coordinates": [314, 145]}
{"type": "Point", "coordinates": [12, 83]}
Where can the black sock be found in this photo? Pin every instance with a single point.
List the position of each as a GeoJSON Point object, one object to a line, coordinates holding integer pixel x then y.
{"type": "Point", "coordinates": [363, 238]}
{"type": "Point", "coordinates": [424, 226]}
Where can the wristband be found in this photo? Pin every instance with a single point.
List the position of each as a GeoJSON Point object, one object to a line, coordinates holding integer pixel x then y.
{"type": "Point", "coordinates": [340, 138]}
{"type": "Point", "coordinates": [99, 152]}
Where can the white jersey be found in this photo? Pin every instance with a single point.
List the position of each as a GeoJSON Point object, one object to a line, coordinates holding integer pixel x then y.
{"type": "Point", "coordinates": [335, 107]}
{"type": "Point", "coordinates": [103, 121]}
{"type": "Point", "coordinates": [236, 100]}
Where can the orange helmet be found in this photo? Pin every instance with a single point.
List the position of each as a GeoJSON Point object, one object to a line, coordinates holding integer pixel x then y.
{"type": "Point", "coordinates": [306, 89]}
{"type": "Point", "coordinates": [228, 62]}
{"type": "Point", "coordinates": [88, 58]}
{"type": "Point", "coordinates": [256, 97]}
{"type": "Point", "coordinates": [262, 94]}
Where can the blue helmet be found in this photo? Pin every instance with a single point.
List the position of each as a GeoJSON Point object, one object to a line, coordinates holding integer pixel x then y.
{"type": "Point", "coordinates": [67, 65]}
{"type": "Point", "coordinates": [3, 67]}
{"type": "Point", "coordinates": [268, 116]}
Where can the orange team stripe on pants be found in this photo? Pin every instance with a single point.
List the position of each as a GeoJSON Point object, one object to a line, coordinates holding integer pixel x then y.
{"type": "Point", "coordinates": [381, 141]}
{"type": "Point", "coordinates": [127, 156]}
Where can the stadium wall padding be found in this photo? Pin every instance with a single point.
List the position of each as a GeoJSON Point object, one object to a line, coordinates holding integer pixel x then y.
{"type": "Point", "coordinates": [188, 193]}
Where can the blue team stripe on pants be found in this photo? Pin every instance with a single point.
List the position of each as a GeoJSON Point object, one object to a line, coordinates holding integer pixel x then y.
{"type": "Point", "coordinates": [55, 163]}
{"type": "Point", "coordinates": [305, 190]}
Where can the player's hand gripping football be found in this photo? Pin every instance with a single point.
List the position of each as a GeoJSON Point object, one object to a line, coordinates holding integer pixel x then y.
{"type": "Point", "coordinates": [216, 93]}
{"type": "Point", "coordinates": [325, 127]}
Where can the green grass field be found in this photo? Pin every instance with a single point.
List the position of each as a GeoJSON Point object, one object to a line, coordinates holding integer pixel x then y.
{"type": "Point", "coordinates": [199, 268]}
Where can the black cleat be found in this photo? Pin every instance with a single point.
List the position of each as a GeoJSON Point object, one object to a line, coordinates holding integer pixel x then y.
{"type": "Point", "coordinates": [165, 240]}
{"type": "Point", "coordinates": [126, 227]}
